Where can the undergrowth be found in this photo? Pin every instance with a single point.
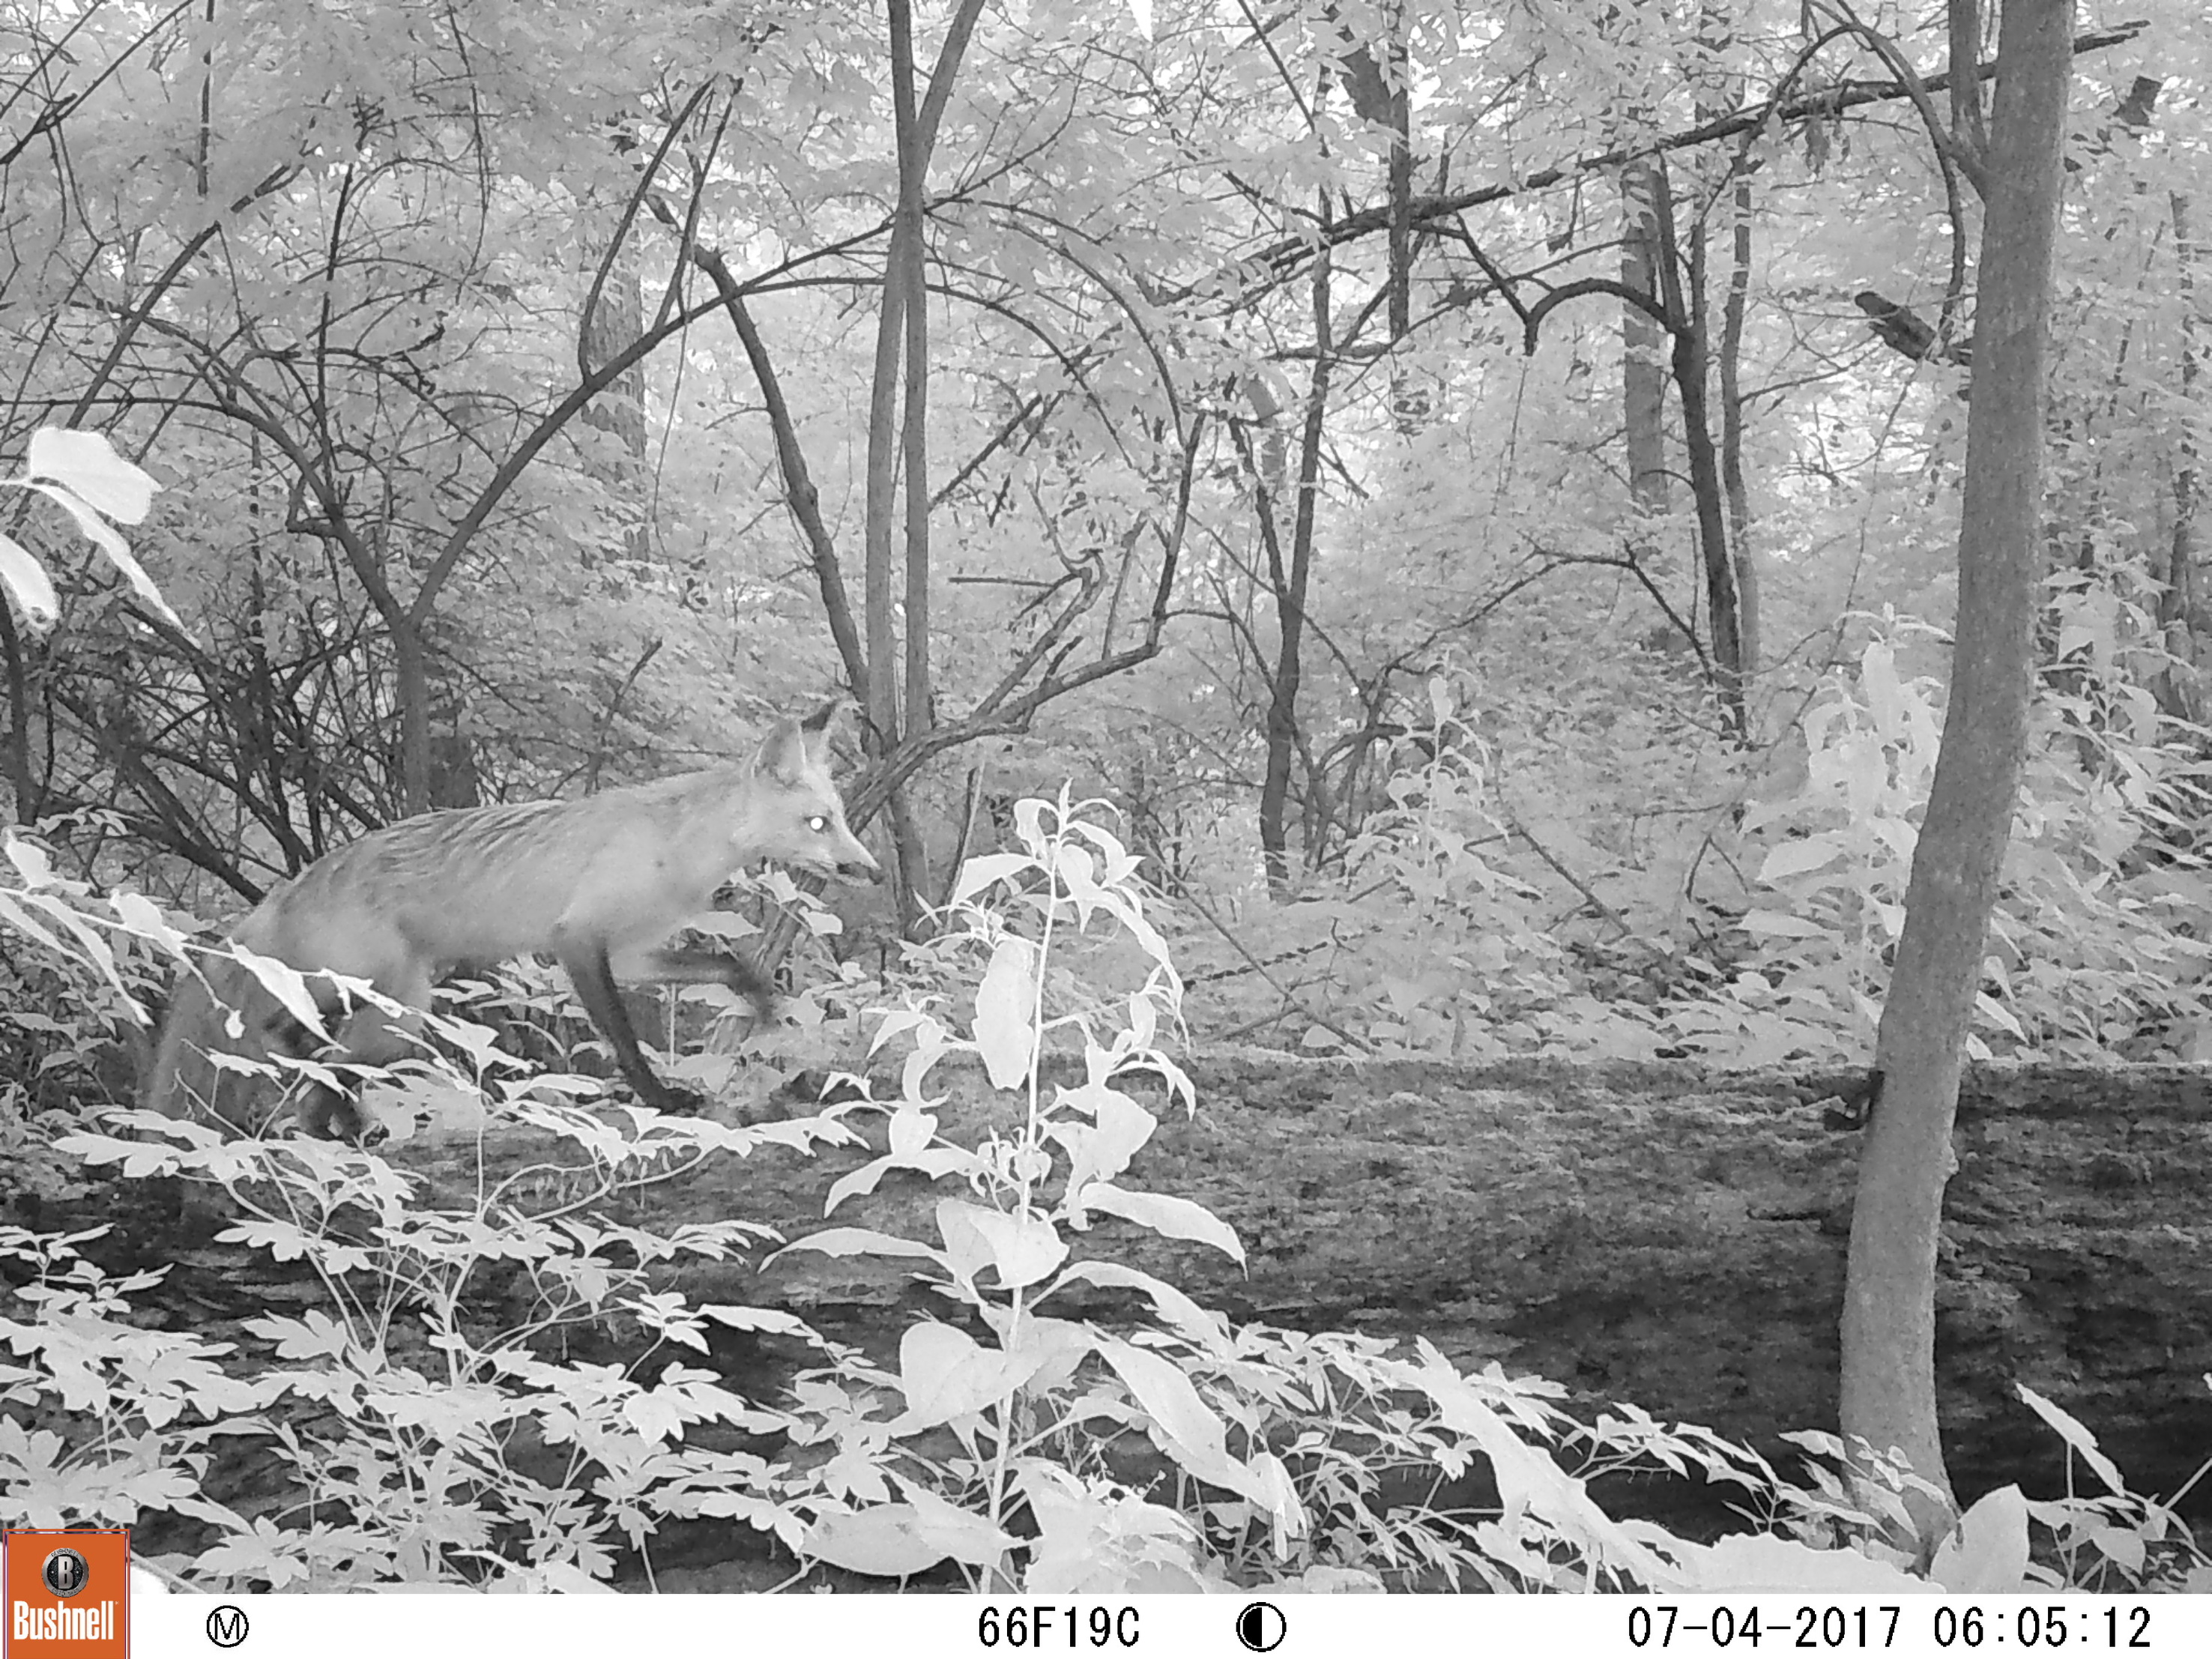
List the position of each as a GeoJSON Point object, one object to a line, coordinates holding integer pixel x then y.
{"type": "Point", "coordinates": [398, 1434]}
{"type": "Point", "coordinates": [1452, 930]}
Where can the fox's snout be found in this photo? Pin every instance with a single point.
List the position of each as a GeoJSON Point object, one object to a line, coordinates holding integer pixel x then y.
{"type": "Point", "coordinates": [849, 857]}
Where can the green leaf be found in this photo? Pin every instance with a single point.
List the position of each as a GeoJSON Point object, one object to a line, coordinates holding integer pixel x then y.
{"type": "Point", "coordinates": [1172, 1218]}
{"type": "Point", "coordinates": [1987, 1553]}
{"type": "Point", "coordinates": [1754, 1562]}
{"type": "Point", "coordinates": [858, 1241]}
{"type": "Point", "coordinates": [1025, 1247]}
{"type": "Point", "coordinates": [890, 1541]}
{"type": "Point", "coordinates": [28, 585]}
{"type": "Point", "coordinates": [945, 1373]}
{"type": "Point", "coordinates": [1182, 1425]}
{"type": "Point", "coordinates": [284, 982]}
{"type": "Point", "coordinates": [1005, 1009]}
{"type": "Point", "coordinates": [980, 873]}
{"type": "Point", "coordinates": [87, 462]}
{"type": "Point", "coordinates": [2075, 1434]}
{"type": "Point", "coordinates": [1202, 1328]}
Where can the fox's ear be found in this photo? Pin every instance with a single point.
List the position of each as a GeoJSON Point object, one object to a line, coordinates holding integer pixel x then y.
{"type": "Point", "coordinates": [782, 753]}
{"type": "Point", "coordinates": [815, 726]}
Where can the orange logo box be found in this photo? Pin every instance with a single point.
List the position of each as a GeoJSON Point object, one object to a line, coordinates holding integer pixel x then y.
{"type": "Point", "coordinates": [68, 1595]}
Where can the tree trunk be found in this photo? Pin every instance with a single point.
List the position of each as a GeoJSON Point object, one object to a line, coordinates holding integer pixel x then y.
{"type": "Point", "coordinates": [1408, 403]}
{"type": "Point", "coordinates": [2181, 688]}
{"type": "Point", "coordinates": [455, 777]}
{"type": "Point", "coordinates": [1739, 496]}
{"type": "Point", "coordinates": [1688, 311]}
{"type": "Point", "coordinates": [901, 322]}
{"type": "Point", "coordinates": [906, 275]}
{"type": "Point", "coordinates": [612, 323]}
{"type": "Point", "coordinates": [1888, 1377]}
{"type": "Point", "coordinates": [15, 663]}
{"type": "Point", "coordinates": [1288, 583]}
{"type": "Point", "coordinates": [411, 691]}
{"type": "Point", "coordinates": [1642, 367]}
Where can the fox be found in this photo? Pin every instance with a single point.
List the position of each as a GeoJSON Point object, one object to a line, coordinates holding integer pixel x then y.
{"type": "Point", "coordinates": [599, 884]}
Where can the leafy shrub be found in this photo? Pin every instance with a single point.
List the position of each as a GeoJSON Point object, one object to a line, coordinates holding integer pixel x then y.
{"type": "Point", "coordinates": [2093, 948]}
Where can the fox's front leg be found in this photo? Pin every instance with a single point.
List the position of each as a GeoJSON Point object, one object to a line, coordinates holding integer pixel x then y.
{"type": "Point", "coordinates": [695, 967]}
{"type": "Point", "coordinates": [585, 964]}
{"type": "Point", "coordinates": [367, 1035]}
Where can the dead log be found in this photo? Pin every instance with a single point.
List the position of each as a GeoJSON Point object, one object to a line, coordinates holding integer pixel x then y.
{"type": "Point", "coordinates": [1655, 1234]}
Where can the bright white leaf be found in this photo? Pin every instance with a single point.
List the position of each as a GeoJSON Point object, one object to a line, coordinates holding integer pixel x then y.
{"type": "Point", "coordinates": [1987, 1553]}
{"type": "Point", "coordinates": [965, 1537]}
{"type": "Point", "coordinates": [1196, 1325]}
{"type": "Point", "coordinates": [1024, 1248]}
{"type": "Point", "coordinates": [1753, 1561]}
{"type": "Point", "coordinates": [1005, 1005]}
{"type": "Point", "coordinates": [87, 464]}
{"type": "Point", "coordinates": [143, 584]}
{"type": "Point", "coordinates": [284, 982]}
{"type": "Point", "coordinates": [859, 1241]}
{"type": "Point", "coordinates": [141, 915]}
{"type": "Point", "coordinates": [888, 1542]}
{"type": "Point", "coordinates": [95, 948]}
{"type": "Point", "coordinates": [1172, 1218]}
{"type": "Point", "coordinates": [2075, 1434]}
{"type": "Point", "coordinates": [32, 861]}
{"type": "Point", "coordinates": [944, 1373]}
{"type": "Point", "coordinates": [1797, 858]}
{"type": "Point", "coordinates": [774, 1320]}
{"type": "Point", "coordinates": [1779, 924]}
{"type": "Point", "coordinates": [1074, 867]}
{"type": "Point", "coordinates": [1182, 1425]}
{"type": "Point", "coordinates": [96, 529]}
{"type": "Point", "coordinates": [103, 536]}
{"type": "Point", "coordinates": [980, 873]}
{"type": "Point", "coordinates": [967, 1251]}
{"type": "Point", "coordinates": [27, 583]}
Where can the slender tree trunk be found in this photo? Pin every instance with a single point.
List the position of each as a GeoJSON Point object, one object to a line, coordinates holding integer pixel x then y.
{"type": "Point", "coordinates": [881, 693]}
{"type": "Point", "coordinates": [1289, 586]}
{"type": "Point", "coordinates": [455, 778]}
{"type": "Point", "coordinates": [1688, 311]}
{"type": "Point", "coordinates": [611, 325]}
{"type": "Point", "coordinates": [21, 784]}
{"type": "Point", "coordinates": [1739, 497]}
{"type": "Point", "coordinates": [1407, 404]}
{"type": "Point", "coordinates": [906, 276]}
{"type": "Point", "coordinates": [2182, 687]}
{"type": "Point", "coordinates": [1888, 1396]}
{"type": "Point", "coordinates": [410, 689]}
{"type": "Point", "coordinates": [902, 323]}
{"type": "Point", "coordinates": [1643, 367]}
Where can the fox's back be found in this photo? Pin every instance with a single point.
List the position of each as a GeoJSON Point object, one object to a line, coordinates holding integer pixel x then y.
{"type": "Point", "coordinates": [489, 883]}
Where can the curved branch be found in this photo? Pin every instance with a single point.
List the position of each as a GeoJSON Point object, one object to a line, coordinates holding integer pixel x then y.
{"type": "Point", "coordinates": [1582, 287]}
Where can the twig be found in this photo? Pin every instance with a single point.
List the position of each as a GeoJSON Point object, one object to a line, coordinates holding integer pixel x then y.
{"type": "Point", "coordinates": [1291, 999]}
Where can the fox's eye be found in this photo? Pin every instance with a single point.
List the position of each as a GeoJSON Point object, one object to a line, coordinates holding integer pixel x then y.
{"type": "Point", "coordinates": [817, 824]}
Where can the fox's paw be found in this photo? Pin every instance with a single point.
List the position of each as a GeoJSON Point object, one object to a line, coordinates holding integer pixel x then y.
{"type": "Point", "coordinates": [677, 1100]}
{"type": "Point", "coordinates": [324, 1116]}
